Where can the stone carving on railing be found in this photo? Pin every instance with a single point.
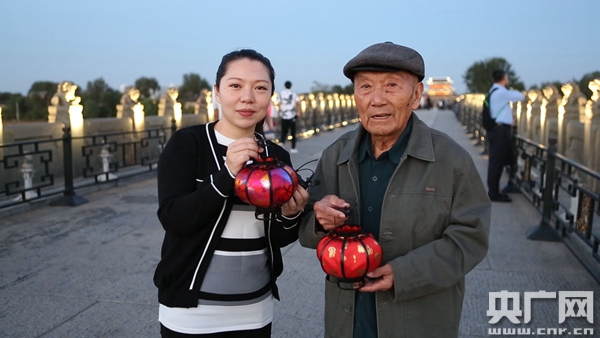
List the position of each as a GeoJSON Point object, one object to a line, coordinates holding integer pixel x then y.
{"type": "Point", "coordinates": [533, 115]}
{"type": "Point", "coordinates": [28, 172]}
{"type": "Point", "coordinates": [1, 132]}
{"type": "Point", "coordinates": [130, 107]}
{"type": "Point", "coordinates": [549, 113]}
{"type": "Point", "coordinates": [202, 105]}
{"type": "Point", "coordinates": [592, 127]}
{"type": "Point", "coordinates": [571, 110]}
{"type": "Point", "coordinates": [520, 109]}
{"type": "Point", "coordinates": [168, 105]}
{"type": "Point", "coordinates": [65, 106]}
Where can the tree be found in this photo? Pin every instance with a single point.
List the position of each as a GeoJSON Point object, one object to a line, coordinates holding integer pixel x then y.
{"type": "Point", "coordinates": [478, 77]}
{"type": "Point", "coordinates": [99, 100]}
{"type": "Point", "coordinates": [150, 106]}
{"type": "Point", "coordinates": [319, 87]}
{"type": "Point", "coordinates": [148, 86]}
{"type": "Point", "coordinates": [9, 103]}
{"type": "Point", "coordinates": [585, 80]}
{"type": "Point", "coordinates": [35, 105]}
{"type": "Point", "coordinates": [349, 89]}
{"type": "Point", "coordinates": [43, 87]}
{"type": "Point", "coordinates": [191, 87]}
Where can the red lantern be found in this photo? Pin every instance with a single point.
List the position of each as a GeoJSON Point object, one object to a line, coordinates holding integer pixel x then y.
{"type": "Point", "coordinates": [266, 183]}
{"type": "Point", "coordinates": [349, 253]}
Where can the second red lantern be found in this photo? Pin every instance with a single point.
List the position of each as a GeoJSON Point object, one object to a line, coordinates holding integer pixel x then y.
{"type": "Point", "coordinates": [349, 253]}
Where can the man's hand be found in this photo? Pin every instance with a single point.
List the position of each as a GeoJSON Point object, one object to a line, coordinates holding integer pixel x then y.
{"type": "Point", "coordinates": [382, 279]}
{"type": "Point", "coordinates": [327, 212]}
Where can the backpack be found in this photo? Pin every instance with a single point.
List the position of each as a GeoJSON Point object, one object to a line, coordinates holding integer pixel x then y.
{"type": "Point", "coordinates": [487, 122]}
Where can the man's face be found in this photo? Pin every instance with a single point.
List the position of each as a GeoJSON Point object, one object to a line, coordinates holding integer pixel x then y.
{"type": "Point", "coordinates": [385, 101]}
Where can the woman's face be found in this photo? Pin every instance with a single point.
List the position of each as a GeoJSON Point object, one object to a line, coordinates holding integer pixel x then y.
{"type": "Point", "coordinates": [244, 94]}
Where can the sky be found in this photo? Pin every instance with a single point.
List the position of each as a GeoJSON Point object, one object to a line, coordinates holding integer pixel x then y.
{"type": "Point", "coordinates": [306, 41]}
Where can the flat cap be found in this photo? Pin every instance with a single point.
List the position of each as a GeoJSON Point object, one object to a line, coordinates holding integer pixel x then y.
{"type": "Point", "coordinates": [386, 57]}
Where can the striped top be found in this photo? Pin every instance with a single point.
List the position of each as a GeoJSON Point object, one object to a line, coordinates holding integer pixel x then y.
{"type": "Point", "coordinates": [236, 291]}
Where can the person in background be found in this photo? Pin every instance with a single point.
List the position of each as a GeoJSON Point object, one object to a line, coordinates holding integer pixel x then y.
{"type": "Point", "coordinates": [288, 110]}
{"type": "Point", "coordinates": [219, 264]}
{"type": "Point", "coordinates": [415, 189]}
{"type": "Point", "coordinates": [269, 126]}
{"type": "Point", "coordinates": [500, 137]}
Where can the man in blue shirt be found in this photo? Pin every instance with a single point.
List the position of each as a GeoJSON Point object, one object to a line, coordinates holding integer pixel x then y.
{"type": "Point", "coordinates": [501, 135]}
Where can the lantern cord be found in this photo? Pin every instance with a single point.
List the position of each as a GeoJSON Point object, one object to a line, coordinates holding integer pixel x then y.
{"type": "Point", "coordinates": [308, 182]}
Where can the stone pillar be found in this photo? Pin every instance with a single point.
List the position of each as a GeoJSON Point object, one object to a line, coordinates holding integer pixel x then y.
{"type": "Point", "coordinates": [168, 106]}
{"type": "Point", "coordinates": [1, 135]}
{"type": "Point", "coordinates": [1, 129]}
{"type": "Point", "coordinates": [131, 108]}
{"type": "Point", "coordinates": [592, 128]}
{"type": "Point", "coordinates": [521, 115]}
{"type": "Point", "coordinates": [549, 113]}
{"type": "Point", "coordinates": [571, 108]}
{"type": "Point", "coordinates": [533, 115]}
{"type": "Point", "coordinates": [200, 104]}
{"type": "Point", "coordinates": [312, 109]}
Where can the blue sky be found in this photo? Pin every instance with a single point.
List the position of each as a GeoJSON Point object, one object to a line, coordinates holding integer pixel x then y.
{"type": "Point", "coordinates": [306, 41]}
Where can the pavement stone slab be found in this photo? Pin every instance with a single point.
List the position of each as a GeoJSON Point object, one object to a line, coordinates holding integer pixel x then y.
{"type": "Point", "coordinates": [29, 315]}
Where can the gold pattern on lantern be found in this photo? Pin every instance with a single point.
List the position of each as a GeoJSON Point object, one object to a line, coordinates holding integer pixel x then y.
{"type": "Point", "coordinates": [354, 256]}
{"type": "Point", "coordinates": [331, 252]}
{"type": "Point", "coordinates": [369, 250]}
{"type": "Point", "coordinates": [361, 249]}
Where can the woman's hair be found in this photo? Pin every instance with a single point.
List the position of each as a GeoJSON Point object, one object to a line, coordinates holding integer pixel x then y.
{"type": "Point", "coordinates": [241, 54]}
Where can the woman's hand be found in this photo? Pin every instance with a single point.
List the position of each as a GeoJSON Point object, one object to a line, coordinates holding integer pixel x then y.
{"type": "Point", "coordinates": [327, 212]}
{"type": "Point", "coordinates": [296, 203]}
{"type": "Point", "coordinates": [240, 152]}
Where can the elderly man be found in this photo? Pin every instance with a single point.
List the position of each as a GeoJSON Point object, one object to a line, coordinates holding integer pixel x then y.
{"type": "Point", "coordinates": [415, 190]}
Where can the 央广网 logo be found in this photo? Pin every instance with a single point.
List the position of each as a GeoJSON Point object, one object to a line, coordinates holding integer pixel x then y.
{"type": "Point", "coordinates": [571, 304]}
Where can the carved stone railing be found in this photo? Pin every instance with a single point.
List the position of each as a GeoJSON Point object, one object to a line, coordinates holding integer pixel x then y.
{"type": "Point", "coordinates": [43, 159]}
{"type": "Point", "coordinates": [570, 118]}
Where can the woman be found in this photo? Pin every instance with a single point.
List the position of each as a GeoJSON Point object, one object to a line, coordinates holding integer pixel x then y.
{"type": "Point", "coordinates": [219, 264]}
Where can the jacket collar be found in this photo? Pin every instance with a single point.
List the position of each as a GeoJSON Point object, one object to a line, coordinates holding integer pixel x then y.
{"type": "Point", "coordinates": [420, 145]}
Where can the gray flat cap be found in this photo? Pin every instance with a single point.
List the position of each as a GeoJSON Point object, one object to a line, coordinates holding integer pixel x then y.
{"type": "Point", "coordinates": [386, 57]}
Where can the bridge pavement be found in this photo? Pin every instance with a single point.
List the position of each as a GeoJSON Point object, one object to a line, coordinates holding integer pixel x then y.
{"type": "Point", "coordinates": [87, 271]}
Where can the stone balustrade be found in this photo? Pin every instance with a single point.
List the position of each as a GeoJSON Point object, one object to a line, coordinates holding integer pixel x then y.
{"type": "Point", "coordinates": [319, 112]}
{"type": "Point", "coordinates": [549, 113]}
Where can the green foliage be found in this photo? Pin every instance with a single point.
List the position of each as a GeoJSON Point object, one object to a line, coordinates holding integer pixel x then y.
{"type": "Point", "coordinates": [191, 87]}
{"type": "Point", "coordinates": [349, 89]}
{"type": "Point", "coordinates": [327, 89]}
{"type": "Point", "coordinates": [478, 77]}
{"type": "Point", "coordinates": [150, 106]}
{"type": "Point", "coordinates": [43, 88]}
{"type": "Point", "coordinates": [35, 106]}
{"type": "Point", "coordinates": [319, 87]}
{"type": "Point", "coordinates": [9, 103]}
{"type": "Point", "coordinates": [148, 87]}
{"type": "Point", "coordinates": [99, 100]}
